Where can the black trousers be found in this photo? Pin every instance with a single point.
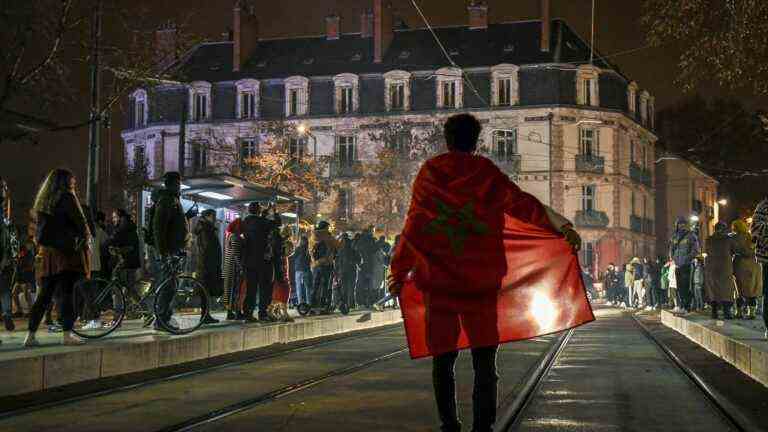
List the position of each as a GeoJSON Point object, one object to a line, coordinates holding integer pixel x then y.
{"type": "Point", "coordinates": [684, 289]}
{"type": "Point", "coordinates": [484, 394]}
{"type": "Point", "coordinates": [258, 288]}
{"type": "Point", "coordinates": [64, 283]}
{"type": "Point", "coordinates": [321, 286]}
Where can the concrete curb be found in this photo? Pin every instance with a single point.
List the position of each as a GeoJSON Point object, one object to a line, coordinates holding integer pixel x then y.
{"type": "Point", "coordinates": [34, 370]}
{"type": "Point", "coordinates": [745, 349]}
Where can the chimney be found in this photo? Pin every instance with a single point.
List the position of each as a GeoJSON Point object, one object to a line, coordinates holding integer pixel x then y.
{"type": "Point", "coordinates": [245, 33]}
{"type": "Point", "coordinates": [332, 27]}
{"type": "Point", "coordinates": [166, 45]}
{"type": "Point", "coordinates": [383, 32]}
{"type": "Point", "coordinates": [478, 15]}
{"type": "Point", "coordinates": [366, 24]}
{"type": "Point", "coordinates": [546, 24]}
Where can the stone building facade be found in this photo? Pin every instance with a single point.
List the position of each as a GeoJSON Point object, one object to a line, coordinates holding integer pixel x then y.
{"type": "Point", "coordinates": [577, 135]}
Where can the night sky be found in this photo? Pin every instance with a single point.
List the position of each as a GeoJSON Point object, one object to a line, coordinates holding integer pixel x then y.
{"type": "Point", "coordinates": [618, 30]}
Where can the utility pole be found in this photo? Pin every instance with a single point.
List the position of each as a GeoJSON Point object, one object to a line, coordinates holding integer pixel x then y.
{"type": "Point", "coordinates": [92, 195]}
{"type": "Point", "coordinates": [183, 136]}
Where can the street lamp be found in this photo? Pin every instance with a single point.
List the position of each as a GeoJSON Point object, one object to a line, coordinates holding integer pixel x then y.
{"type": "Point", "coordinates": [694, 218]}
{"type": "Point", "coordinates": [723, 202]}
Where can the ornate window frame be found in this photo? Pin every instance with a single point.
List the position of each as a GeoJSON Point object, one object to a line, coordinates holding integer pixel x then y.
{"type": "Point", "coordinates": [397, 77]}
{"type": "Point", "coordinates": [632, 97]}
{"type": "Point", "coordinates": [301, 84]}
{"type": "Point", "coordinates": [644, 100]}
{"type": "Point", "coordinates": [140, 101]}
{"type": "Point", "coordinates": [245, 86]}
{"type": "Point", "coordinates": [346, 81]}
{"type": "Point", "coordinates": [200, 88]}
{"type": "Point", "coordinates": [585, 74]}
{"type": "Point", "coordinates": [447, 75]}
{"type": "Point", "coordinates": [504, 72]}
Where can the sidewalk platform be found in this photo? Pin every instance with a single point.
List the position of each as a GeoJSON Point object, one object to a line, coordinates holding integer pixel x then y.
{"type": "Point", "coordinates": [739, 342]}
{"type": "Point", "coordinates": [130, 350]}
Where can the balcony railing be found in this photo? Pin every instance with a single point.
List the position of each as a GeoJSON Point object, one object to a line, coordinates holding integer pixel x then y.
{"type": "Point", "coordinates": [511, 164]}
{"type": "Point", "coordinates": [648, 227]}
{"type": "Point", "coordinates": [591, 219]}
{"type": "Point", "coordinates": [636, 223]}
{"type": "Point", "coordinates": [345, 169]}
{"type": "Point", "coordinates": [590, 163]}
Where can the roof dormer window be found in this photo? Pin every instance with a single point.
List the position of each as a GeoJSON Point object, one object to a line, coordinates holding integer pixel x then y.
{"type": "Point", "coordinates": [200, 101]}
{"type": "Point", "coordinates": [247, 98]}
{"type": "Point", "coordinates": [632, 97]}
{"type": "Point", "coordinates": [347, 93]}
{"type": "Point", "coordinates": [504, 85]}
{"type": "Point", "coordinates": [397, 95]}
{"type": "Point", "coordinates": [587, 90]}
{"type": "Point", "coordinates": [450, 91]}
{"type": "Point", "coordinates": [296, 96]}
{"type": "Point", "coordinates": [140, 108]}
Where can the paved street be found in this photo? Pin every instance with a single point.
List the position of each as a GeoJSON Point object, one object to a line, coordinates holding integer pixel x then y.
{"type": "Point", "coordinates": [609, 376]}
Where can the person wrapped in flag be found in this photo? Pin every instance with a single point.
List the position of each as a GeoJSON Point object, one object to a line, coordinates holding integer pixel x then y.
{"type": "Point", "coordinates": [480, 263]}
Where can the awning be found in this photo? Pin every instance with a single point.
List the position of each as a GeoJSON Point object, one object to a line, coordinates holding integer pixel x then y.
{"type": "Point", "coordinates": [228, 191]}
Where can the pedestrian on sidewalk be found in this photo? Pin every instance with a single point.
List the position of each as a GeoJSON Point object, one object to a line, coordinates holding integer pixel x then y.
{"type": "Point", "coordinates": [683, 248]}
{"type": "Point", "coordinates": [125, 239]}
{"type": "Point", "coordinates": [347, 261]}
{"type": "Point", "coordinates": [611, 282]}
{"type": "Point", "coordinates": [629, 284]}
{"type": "Point", "coordinates": [7, 260]}
{"type": "Point", "coordinates": [749, 278]}
{"type": "Point", "coordinates": [453, 269]}
{"type": "Point", "coordinates": [209, 259]}
{"type": "Point", "coordinates": [170, 230]}
{"type": "Point", "coordinates": [63, 237]}
{"type": "Point", "coordinates": [257, 263]}
{"type": "Point", "coordinates": [698, 283]}
{"type": "Point", "coordinates": [719, 281]}
{"type": "Point", "coordinates": [232, 271]}
{"type": "Point", "coordinates": [324, 248]}
{"type": "Point", "coordinates": [281, 288]}
{"type": "Point", "coordinates": [759, 231]}
{"type": "Point", "coordinates": [302, 272]}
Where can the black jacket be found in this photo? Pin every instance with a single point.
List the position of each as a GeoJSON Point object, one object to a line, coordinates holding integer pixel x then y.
{"type": "Point", "coordinates": [127, 237]}
{"type": "Point", "coordinates": [169, 225]}
{"type": "Point", "coordinates": [347, 259]}
{"type": "Point", "coordinates": [257, 248]}
{"type": "Point", "coordinates": [209, 257]}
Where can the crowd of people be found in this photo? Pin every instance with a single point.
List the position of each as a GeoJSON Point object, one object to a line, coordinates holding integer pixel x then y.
{"type": "Point", "coordinates": [724, 278]}
{"type": "Point", "coordinates": [260, 271]}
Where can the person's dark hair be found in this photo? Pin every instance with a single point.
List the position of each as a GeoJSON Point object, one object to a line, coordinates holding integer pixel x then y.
{"type": "Point", "coordinates": [122, 214]}
{"type": "Point", "coordinates": [171, 177]}
{"type": "Point", "coordinates": [208, 212]}
{"type": "Point", "coordinates": [55, 184]}
{"type": "Point", "coordinates": [462, 132]}
{"type": "Point", "coordinates": [101, 217]}
{"type": "Point", "coordinates": [254, 209]}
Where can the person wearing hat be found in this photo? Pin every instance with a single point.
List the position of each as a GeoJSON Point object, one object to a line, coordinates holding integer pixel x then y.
{"type": "Point", "coordinates": [324, 248]}
{"type": "Point", "coordinates": [169, 231]}
{"type": "Point", "coordinates": [209, 258]}
{"type": "Point", "coordinates": [719, 282]}
{"type": "Point", "coordinates": [257, 256]}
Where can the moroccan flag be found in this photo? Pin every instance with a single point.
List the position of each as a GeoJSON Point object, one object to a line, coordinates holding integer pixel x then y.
{"type": "Point", "coordinates": [481, 262]}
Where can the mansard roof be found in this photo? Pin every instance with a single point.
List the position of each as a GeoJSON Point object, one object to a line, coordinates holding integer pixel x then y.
{"type": "Point", "coordinates": [411, 50]}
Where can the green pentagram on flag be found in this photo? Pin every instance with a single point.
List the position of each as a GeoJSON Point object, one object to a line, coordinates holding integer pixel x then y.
{"type": "Point", "coordinates": [456, 224]}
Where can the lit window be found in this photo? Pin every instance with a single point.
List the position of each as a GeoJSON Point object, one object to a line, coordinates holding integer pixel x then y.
{"type": "Point", "coordinates": [505, 145]}
{"type": "Point", "coordinates": [589, 197]}
{"type": "Point", "coordinates": [588, 142]}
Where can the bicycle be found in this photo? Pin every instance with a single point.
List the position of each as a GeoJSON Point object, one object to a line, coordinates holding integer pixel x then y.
{"type": "Point", "coordinates": [179, 306]}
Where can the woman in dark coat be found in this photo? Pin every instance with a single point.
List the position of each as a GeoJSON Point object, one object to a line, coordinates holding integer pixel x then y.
{"type": "Point", "coordinates": [209, 257]}
{"type": "Point", "coordinates": [125, 237]}
{"type": "Point", "coordinates": [61, 222]}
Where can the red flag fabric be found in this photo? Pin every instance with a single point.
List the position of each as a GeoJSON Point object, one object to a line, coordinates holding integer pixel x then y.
{"type": "Point", "coordinates": [481, 263]}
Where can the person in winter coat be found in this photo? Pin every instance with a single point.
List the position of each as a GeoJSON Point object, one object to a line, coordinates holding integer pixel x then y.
{"type": "Point", "coordinates": [639, 283]}
{"type": "Point", "coordinates": [698, 284]}
{"type": "Point", "coordinates": [759, 231]}
{"type": "Point", "coordinates": [302, 272]}
{"type": "Point", "coordinates": [209, 258]}
{"type": "Point", "coordinates": [719, 282]}
{"type": "Point", "coordinates": [664, 283]}
{"type": "Point", "coordinates": [629, 284]}
{"type": "Point", "coordinates": [652, 279]}
{"type": "Point", "coordinates": [324, 248]}
{"type": "Point", "coordinates": [7, 261]}
{"type": "Point", "coordinates": [683, 248]}
{"type": "Point", "coordinates": [749, 277]}
{"type": "Point", "coordinates": [169, 232]}
{"type": "Point", "coordinates": [347, 261]}
{"type": "Point", "coordinates": [611, 282]}
{"type": "Point", "coordinates": [257, 263]}
{"type": "Point", "coordinates": [369, 269]}
{"type": "Point", "coordinates": [61, 222]}
{"type": "Point", "coordinates": [233, 296]}
{"type": "Point", "coordinates": [126, 240]}
{"type": "Point", "coordinates": [281, 290]}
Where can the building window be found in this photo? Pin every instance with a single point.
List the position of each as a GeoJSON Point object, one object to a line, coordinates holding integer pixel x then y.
{"type": "Point", "coordinates": [139, 109]}
{"type": "Point", "coordinates": [139, 157]}
{"type": "Point", "coordinates": [587, 86]}
{"type": "Point", "coordinates": [249, 149]}
{"type": "Point", "coordinates": [346, 151]}
{"type": "Point", "coordinates": [505, 144]}
{"type": "Point", "coordinates": [297, 147]}
{"type": "Point", "coordinates": [588, 142]}
{"type": "Point", "coordinates": [401, 143]}
{"type": "Point", "coordinates": [296, 96]}
{"type": "Point", "coordinates": [644, 156]}
{"type": "Point", "coordinates": [397, 95]}
{"type": "Point", "coordinates": [645, 207]}
{"type": "Point", "coordinates": [644, 108]}
{"type": "Point", "coordinates": [589, 197]}
{"type": "Point", "coordinates": [200, 101]}
{"type": "Point", "coordinates": [588, 256]}
{"type": "Point", "coordinates": [449, 88]}
{"type": "Point", "coordinates": [633, 207]}
{"type": "Point", "coordinates": [632, 97]}
{"type": "Point", "coordinates": [632, 152]}
{"type": "Point", "coordinates": [504, 85]}
{"type": "Point", "coordinates": [347, 87]}
{"type": "Point", "coordinates": [346, 101]}
{"type": "Point", "coordinates": [196, 157]}
{"type": "Point", "coordinates": [247, 98]}
{"type": "Point", "coordinates": [345, 205]}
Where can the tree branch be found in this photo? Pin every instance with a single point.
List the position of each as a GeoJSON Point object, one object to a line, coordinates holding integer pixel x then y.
{"type": "Point", "coordinates": [61, 30]}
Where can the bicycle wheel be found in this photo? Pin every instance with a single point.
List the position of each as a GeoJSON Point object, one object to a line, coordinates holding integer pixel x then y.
{"type": "Point", "coordinates": [181, 304]}
{"type": "Point", "coordinates": [99, 308]}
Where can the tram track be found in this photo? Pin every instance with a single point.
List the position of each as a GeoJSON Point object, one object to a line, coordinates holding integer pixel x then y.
{"type": "Point", "coordinates": [324, 342]}
{"type": "Point", "coordinates": [514, 413]}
